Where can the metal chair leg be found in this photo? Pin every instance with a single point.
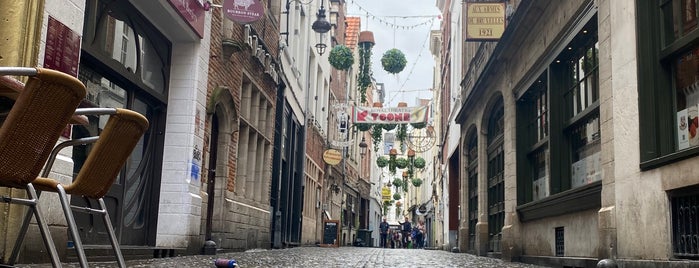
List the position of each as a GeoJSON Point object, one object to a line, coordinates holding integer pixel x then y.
{"type": "Point", "coordinates": [112, 236]}
{"type": "Point", "coordinates": [72, 226]}
{"type": "Point", "coordinates": [43, 227]}
{"type": "Point", "coordinates": [22, 232]}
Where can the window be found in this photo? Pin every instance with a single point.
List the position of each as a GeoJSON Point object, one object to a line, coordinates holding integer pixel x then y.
{"type": "Point", "coordinates": [127, 42]}
{"type": "Point", "coordinates": [254, 142]}
{"type": "Point", "coordinates": [533, 117]}
{"type": "Point", "coordinates": [559, 233]}
{"type": "Point", "coordinates": [558, 126]}
{"type": "Point", "coordinates": [668, 62]}
{"type": "Point", "coordinates": [685, 228]}
{"type": "Point", "coordinates": [471, 151]}
{"type": "Point", "coordinates": [581, 83]}
{"type": "Point", "coordinates": [496, 178]}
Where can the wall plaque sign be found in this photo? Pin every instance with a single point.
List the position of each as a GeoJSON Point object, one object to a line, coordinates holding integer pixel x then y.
{"type": "Point", "coordinates": [62, 51]}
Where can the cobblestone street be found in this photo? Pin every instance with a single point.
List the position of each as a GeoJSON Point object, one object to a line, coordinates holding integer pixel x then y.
{"type": "Point", "coordinates": [323, 257]}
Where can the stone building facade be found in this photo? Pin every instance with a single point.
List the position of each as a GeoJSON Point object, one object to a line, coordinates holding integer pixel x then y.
{"type": "Point", "coordinates": [571, 136]}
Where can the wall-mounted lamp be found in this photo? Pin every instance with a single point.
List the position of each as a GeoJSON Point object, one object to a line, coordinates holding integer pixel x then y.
{"type": "Point", "coordinates": [321, 26]}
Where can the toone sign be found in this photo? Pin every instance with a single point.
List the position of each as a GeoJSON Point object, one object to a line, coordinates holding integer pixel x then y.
{"type": "Point", "coordinates": [400, 115]}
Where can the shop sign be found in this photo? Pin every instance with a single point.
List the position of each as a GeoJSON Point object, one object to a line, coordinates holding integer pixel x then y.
{"type": "Point", "coordinates": [243, 11]}
{"type": "Point", "coordinates": [386, 194]}
{"type": "Point", "coordinates": [192, 11]}
{"type": "Point", "coordinates": [399, 115]}
{"type": "Point", "coordinates": [341, 144]}
{"type": "Point", "coordinates": [332, 157]}
{"type": "Point", "coordinates": [485, 21]}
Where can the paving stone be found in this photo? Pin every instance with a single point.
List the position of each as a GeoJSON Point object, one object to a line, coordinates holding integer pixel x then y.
{"type": "Point", "coordinates": [321, 257]}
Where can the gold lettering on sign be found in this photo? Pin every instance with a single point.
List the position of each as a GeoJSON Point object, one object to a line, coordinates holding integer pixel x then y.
{"type": "Point", "coordinates": [485, 21]}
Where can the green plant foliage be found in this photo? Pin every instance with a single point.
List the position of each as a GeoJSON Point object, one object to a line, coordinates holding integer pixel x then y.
{"type": "Point", "coordinates": [419, 125]}
{"type": "Point", "coordinates": [401, 162]}
{"type": "Point", "coordinates": [382, 161]}
{"type": "Point", "coordinates": [393, 61]}
{"type": "Point", "coordinates": [363, 126]}
{"type": "Point", "coordinates": [396, 196]}
{"type": "Point", "coordinates": [376, 136]}
{"type": "Point", "coordinates": [402, 133]}
{"type": "Point", "coordinates": [365, 75]}
{"type": "Point", "coordinates": [417, 182]}
{"type": "Point", "coordinates": [397, 182]}
{"type": "Point", "coordinates": [341, 57]}
{"type": "Point", "coordinates": [419, 162]}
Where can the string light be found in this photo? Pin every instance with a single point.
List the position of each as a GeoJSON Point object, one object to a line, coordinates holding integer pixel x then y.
{"type": "Point", "coordinates": [381, 19]}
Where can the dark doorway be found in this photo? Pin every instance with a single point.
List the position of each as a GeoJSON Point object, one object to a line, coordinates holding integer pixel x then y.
{"type": "Point", "coordinates": [211, 176]}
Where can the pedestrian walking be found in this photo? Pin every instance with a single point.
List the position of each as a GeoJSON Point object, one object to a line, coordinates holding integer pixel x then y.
{"type": "Point", "coordinates": [406, 228]}
{"type": "Point", "coordinates": [383, 228]}
{"type": "Point", "coordinates": [420, 234]}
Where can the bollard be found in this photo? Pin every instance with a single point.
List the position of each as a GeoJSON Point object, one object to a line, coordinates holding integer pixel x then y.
{"type": "Point", "coordinates": [607, 263]}
{"type": "Point", "coordinates": [226, 263]}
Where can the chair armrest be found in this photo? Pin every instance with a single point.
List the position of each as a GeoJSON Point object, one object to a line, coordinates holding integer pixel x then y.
{"type": "Point", "coordinates": [61, 146]}
{"type": "Point", "coordinates": [95, 111]}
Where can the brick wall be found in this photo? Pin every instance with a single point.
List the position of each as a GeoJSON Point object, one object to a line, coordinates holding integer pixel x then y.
{"type": "Point", "coordinates": [245, 222]}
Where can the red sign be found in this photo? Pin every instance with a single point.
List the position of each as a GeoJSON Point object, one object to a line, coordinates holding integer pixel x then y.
{"type": "Point", "coordinates": [192, 11]}
{"type": "Point", "coordinates": [243, 11]}
{"type": "Point", "coordinates": [400, 115]}
{"type": "Point", "coordinates": [62, 51]}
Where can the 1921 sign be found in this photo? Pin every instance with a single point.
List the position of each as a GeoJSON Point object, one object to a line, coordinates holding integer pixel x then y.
{"type": "Point", "coordinates": [331, 234]}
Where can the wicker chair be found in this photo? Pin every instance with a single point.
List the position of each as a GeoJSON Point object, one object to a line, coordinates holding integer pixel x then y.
{"type": "Point", "coordinates": [110, 151]}
{"type": "Point", "coordinates": [30, 131]}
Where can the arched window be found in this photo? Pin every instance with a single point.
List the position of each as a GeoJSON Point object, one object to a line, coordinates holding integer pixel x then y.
{"type": "Point", "coordinates": [471, 152]}
{"type": "Point", "coordinates": [496, 178]}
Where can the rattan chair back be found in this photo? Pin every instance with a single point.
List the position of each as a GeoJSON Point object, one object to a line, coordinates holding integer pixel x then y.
{"type": "Point", "coordinates": [119, 137]}
{"type": "Point", "coordinates": [34, 125]}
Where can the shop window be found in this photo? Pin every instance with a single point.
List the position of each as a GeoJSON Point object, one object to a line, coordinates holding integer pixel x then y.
{"type": "Point", "coordinates": [126, 41]}
{"type": "Point", "coordinates": [668, 62]}
{"type": "Point", "coordinates": [533, 122]}
{"type": "Point", "coordinates": [558, 128]}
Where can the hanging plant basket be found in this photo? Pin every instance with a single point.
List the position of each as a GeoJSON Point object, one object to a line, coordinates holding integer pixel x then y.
{"type": "Point", "coordinates": [382, 161]}
{"type": "Point", "coordinates": [402, 134]}
{"type": "Point", "coordinates": [417, 182]}
{"type": "Point", "coordinates": [341, 57]}
{"type": "Point", "coordinates": [419, 162]}
{"type": "Point", "coordinates": [376, 136]}
{"type": "Point", "coordinates": [397, 182]}
{"type": "Point", "coordinates": [401, 162]}
{"type": "Point", "coordinates": [419, 125]}
{"type": "Point", "coordinates": [363, 126]}
{"type": "Point", "coordinates": [393, 61]}
{"type": "Point", "coordinates": [398, 204]}
{"type": "Point", "coordinates": [396, 196]}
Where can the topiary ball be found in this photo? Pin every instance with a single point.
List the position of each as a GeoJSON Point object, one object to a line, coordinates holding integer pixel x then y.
{"type": "Point", "coordinates": [419, 162]}
{"type": "Point", "coordinates": [341, 57]}
{"type": "Point", "coordinates": [382, 161]}
{"type": "Point", "coordinates": [393, 61]}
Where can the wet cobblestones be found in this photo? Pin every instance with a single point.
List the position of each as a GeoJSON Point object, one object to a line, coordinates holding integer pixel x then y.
{"type": "Point", "coordinates": [323, 257]}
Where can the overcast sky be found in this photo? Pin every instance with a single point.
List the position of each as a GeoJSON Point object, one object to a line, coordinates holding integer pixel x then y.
{"type": "Point", "coordinates": [395, 24]}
